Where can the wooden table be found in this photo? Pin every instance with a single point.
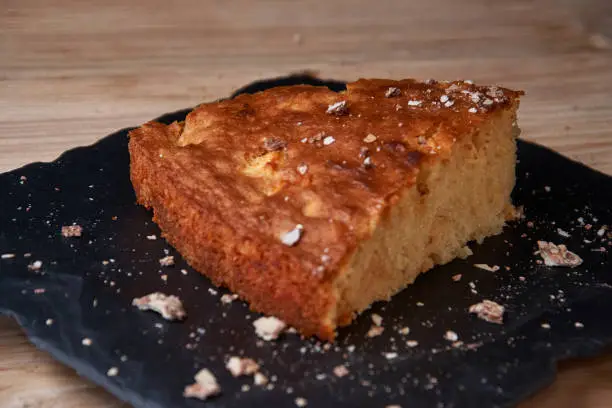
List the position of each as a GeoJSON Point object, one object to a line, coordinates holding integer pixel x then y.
{"type": "Point", "coordinates": [71, 73]}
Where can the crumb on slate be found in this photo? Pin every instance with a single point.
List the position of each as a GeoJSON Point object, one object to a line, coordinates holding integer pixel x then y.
{"type": "Point", "coordinates": [260, 379]}
{"type": "Point", "coordinates": [375, 331]}
{"type": "Point", "coordinates": [167, 261]}
{"type": "Point", "coordinates": [169, 307]}
{"type": "Point", "coordinates": [269, 328]}
{"type": "Point", "coordinates": [557, 255]}
{"type": "Point", "coordinates": [341, 371]}
{"type": "Point", "coordinates": [488, 311]}
{"type": "Point", "coordinates": [241, 366]}
{"type": "Point", "coordinates": [69, 231]}
{"type": "Point", "coordinates": [228, 298]}
{"type": "Point", "coordinates": [205, 386]}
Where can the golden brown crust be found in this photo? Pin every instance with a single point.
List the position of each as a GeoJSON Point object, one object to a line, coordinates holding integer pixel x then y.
{"type": "Point", "coordinates": [238, 174]}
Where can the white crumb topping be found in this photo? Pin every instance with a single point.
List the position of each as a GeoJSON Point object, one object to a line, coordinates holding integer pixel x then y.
{"type": "Point", "coordinates": [292, 237]}
{"type": "Point", "coordinates": [338, 108]}
{"type": "Point", "coordinates": [414, 103]}
{"type": "Point", "coordinates": [369, 138]}
{"type": "Point", "coordinates": [328, 140]}
{"type": "Point", "coordinates": [269, 328]}
{"type": "Point", "coordinates": [205, 386]}
{"type": "Point", "coordinates": [302, 168]}
{"type": "Point", "coordinates": [169, 307]}
{"type": "Point", "coordinates": [392, 91]}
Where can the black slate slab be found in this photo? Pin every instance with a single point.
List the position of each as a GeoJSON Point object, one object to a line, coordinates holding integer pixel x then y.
{"type": "Point", "coordinates": [85, 287]}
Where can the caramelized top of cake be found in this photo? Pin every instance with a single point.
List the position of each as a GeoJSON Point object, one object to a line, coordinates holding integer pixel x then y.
{"type": "Point", "coordinates": [311, 169]}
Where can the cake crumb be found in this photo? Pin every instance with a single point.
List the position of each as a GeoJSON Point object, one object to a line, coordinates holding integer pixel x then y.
{"type": "Point", "coordinates": [563, 233]}
{"type": "Point", "coordinates": [69, 231]}
{"type": "Point", "coordinates": [151, 237]}
{"type": "Point", "coordinates": [489, 311]}
{"type": "Point", "coordinates": [341, 371]}
{"type": "Point", "coordinates": [404, 331]}
{"type": "Point", "coordinates": [457, 277]}
{"type": "Point", "coordinates": [301, 402]}
{"type": "Point", "coordinates": [451, 336]}
{"type": "Point", "coordinates": [169, 307]}
{"type": "Point", "coordinates": [35, 266]}
{"type": "Point", "coordinates": [205, 386]}
{"type": "Point", "coordinates": [578, 325]}
{"type": "Point", "coordinates": [545, 326]}
{"type": "Point", "coordinates": [7, 256]}
{"type": "Point", "coordinates": [241, 366]}
{"type": "Point", "coordinates": [86, 341]}
{"type": "Point", "coordinates": [292, 237]}
{"type": "Point", "coordinates": [269, 328]}
{"type": "Point", "coordinates": [112, 372]}
{"type": "Point", "coordinates": [412, 343]}
{"type": "Point", "coordinates": [228, 298]}
{"type": "Point", "coordinates": [557, 255]}
{"type": "Point", "coordinates": [167, 261]}
{"type": "Point", "coordinates": [391, 355]}
{"type": "Point", "coordinates": [260, 379]}
{"type": "Point", "coordinates": [338, 109]}
{"type": "Point", "coordinates": [376, 319]}
{"type": "Point", "coordinates": [486, 267]}
{"type": "Point", "coordinates": [49, 322]}
{"type": "Point", "coordinates": [375, 331]}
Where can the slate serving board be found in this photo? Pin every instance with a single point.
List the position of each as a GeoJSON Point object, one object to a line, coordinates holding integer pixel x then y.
{"type": "Point", "coordinates": [85, 286]}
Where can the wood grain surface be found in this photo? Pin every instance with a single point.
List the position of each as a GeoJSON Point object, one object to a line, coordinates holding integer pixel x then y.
{"type": "Point", "coordinates": [73, 71]}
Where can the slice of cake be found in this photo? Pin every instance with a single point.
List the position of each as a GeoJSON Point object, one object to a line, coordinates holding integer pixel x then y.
{"type": "Point", "coordinates": [312, 204]}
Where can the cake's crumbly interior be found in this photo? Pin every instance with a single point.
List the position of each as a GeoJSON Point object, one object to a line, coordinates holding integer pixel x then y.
{"type": "Point", "coordinates": [461, 199]}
